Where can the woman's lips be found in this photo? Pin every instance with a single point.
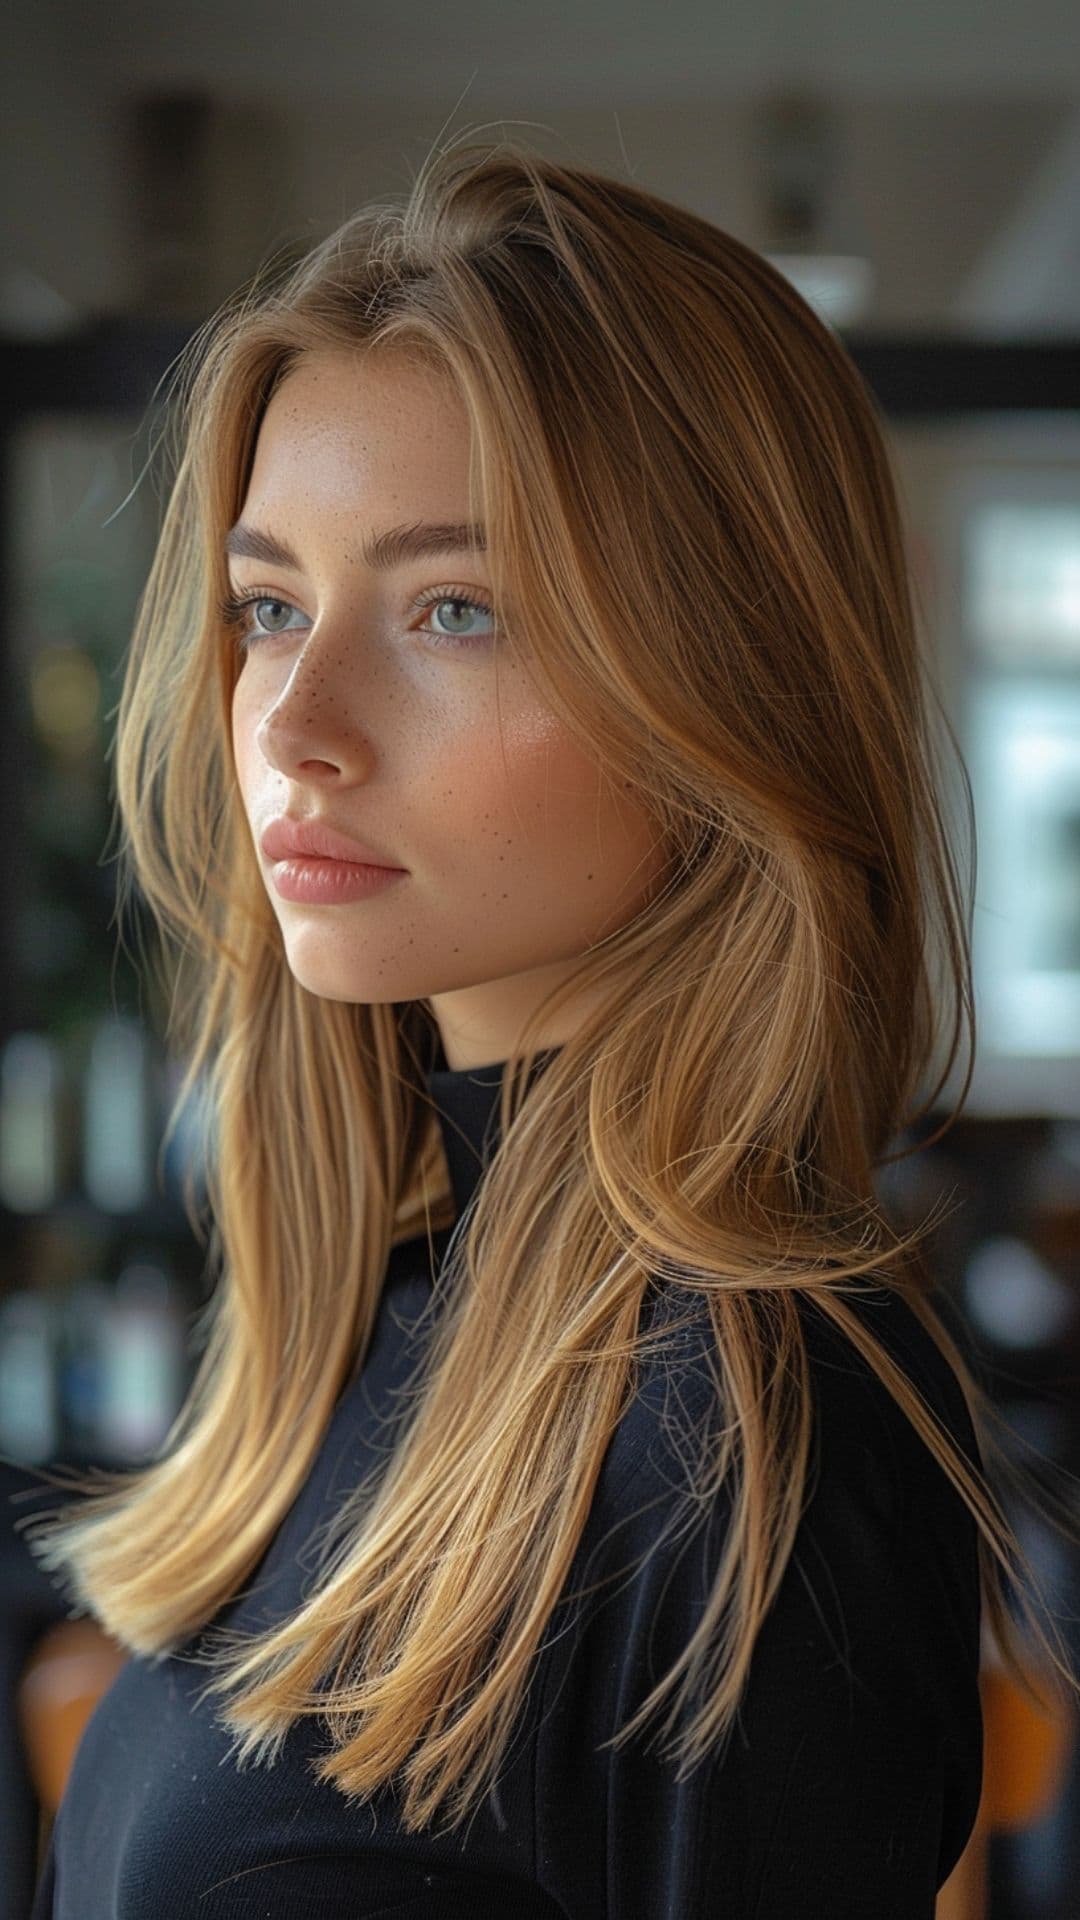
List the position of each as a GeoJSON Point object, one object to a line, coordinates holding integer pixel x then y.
{"type": "Point", "coordinates": [330, 882]}
{"type": "Point", "coordinates": [314, 839]}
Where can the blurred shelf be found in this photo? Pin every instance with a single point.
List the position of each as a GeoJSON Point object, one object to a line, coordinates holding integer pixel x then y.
{"type": "Point", "coordinates": [77, 1212]}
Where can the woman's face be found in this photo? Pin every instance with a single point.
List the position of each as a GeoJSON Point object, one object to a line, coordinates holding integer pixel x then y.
{"type": "Point", "coordinates": [371, 698]}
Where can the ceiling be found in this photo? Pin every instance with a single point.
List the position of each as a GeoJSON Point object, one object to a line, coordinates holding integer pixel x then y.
{"type": "Point", "coordinates": [954, 129]}
{"type": "Point", "coordinates": [576, 50]}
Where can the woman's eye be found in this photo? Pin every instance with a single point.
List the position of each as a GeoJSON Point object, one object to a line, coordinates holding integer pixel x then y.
{"type": "Point", "coordinates": [457, 602]}
{"type": "Point", "coordinates": [244, 615]}
{"type": "Point", "coordinates": [235, 613]}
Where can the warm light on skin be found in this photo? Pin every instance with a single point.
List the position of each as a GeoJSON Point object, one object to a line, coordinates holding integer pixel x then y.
{"type": "Point", "coordinates": [520, 855]}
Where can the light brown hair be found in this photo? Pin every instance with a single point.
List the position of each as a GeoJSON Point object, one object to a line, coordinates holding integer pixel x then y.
{"type": "Point", "coordinates": [694, 537]}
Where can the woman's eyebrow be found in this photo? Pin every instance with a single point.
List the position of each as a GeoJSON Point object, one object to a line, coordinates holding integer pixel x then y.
{"type": "Point", "coordinates": [381, 551]}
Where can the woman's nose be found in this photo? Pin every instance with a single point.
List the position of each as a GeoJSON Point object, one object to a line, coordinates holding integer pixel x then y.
{"type": "Point", "coordinates": [314, 720]}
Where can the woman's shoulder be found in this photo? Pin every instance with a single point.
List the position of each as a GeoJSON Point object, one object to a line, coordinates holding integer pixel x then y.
{"type": "Point", "coordinates": [865, 1448]}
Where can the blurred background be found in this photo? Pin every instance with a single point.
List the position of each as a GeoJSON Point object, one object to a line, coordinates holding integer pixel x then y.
{"type": "Point", "coordinates": [916, 172]}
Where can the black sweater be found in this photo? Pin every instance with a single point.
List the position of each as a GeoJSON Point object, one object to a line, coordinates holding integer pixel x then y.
{"type": "Point", "coordinates": [848, 1790]}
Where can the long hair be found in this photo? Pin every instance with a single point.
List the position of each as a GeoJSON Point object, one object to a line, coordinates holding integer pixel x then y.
{"type": "Point", "coordinates": [693, 527]}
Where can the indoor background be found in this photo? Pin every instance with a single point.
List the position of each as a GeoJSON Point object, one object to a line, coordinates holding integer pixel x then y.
{"type": "Point", "coordinates": [916, 172]}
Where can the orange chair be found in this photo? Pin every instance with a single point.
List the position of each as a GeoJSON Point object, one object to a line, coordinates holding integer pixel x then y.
{"type": "Point", "coordinates": [72, 1665]}
{"type": "Point", "coordinates": [1025, 1755]}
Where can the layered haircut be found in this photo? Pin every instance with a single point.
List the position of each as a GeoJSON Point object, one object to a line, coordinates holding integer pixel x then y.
{"type": "Point", "coordinates": [696, 549]}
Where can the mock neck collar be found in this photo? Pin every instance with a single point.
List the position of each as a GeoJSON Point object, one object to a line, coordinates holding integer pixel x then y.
{"type": "Point", "coordinates": [466, 1100]}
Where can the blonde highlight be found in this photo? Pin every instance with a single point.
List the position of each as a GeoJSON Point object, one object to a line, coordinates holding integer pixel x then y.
{"type": "Point", "coordinates": [660, 421]}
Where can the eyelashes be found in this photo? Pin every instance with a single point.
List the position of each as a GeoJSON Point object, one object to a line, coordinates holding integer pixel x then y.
{"type": "Point", "coordinates": [234, 611]}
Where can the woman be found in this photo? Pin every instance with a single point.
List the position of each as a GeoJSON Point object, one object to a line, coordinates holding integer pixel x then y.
{"type": "Point", "coordinates": [565, 1389]}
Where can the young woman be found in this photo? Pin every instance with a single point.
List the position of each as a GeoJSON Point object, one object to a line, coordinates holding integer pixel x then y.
{"type": "Point", "coordinates": [580, 1506]}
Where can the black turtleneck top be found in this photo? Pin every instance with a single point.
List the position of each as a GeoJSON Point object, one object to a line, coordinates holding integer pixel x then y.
{"type": "Point", "coordinates": [848, 1789]}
